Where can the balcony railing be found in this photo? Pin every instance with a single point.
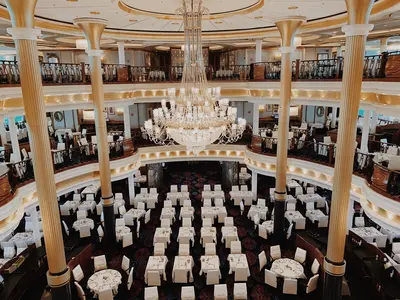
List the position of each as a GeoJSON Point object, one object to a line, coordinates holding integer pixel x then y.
{"type": "Point", "coordinates": [22, 172]}
{"type": "Point", "coordinates": [383, 67]}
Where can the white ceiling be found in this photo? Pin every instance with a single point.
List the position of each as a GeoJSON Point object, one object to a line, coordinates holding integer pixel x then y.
{"type": "Point", "coordinates": [272, 10]}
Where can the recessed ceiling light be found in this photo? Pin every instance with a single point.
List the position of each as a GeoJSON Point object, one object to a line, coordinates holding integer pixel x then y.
{"type": "Point", "coordinates": [94, 13]}
{"type": "Point", "coordinates": [259, 17]}
{"type": "Point", "coordinates": [293, 7]}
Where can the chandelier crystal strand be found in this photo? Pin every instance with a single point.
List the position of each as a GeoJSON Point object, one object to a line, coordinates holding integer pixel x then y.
{"type": "Point", "coordinates": [196, 116]}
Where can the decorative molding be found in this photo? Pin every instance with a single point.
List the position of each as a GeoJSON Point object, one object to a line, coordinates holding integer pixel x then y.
{"type": "Point", "coordinates": [24, 33]}
{"type": "Point", "coordinates": [357, 29]}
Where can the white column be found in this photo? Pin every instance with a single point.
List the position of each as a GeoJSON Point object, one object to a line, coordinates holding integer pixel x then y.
{"type": "Point", "coordinates": [339, 52]}
{"type": "Point", "coordinates": [365, 131]}
{"type": "Point", "coordinates": [35, 226]}
{"type": "Point", "coordinates": [3, 135]}
{"type": "Point", "coordinates": [127, 123]}
{"type": "Point", "coordinates": [254, 179]}
{"type": "Point", "coordinates": [246, 57]}
{"type": "Point", "coordinates": [14, 139]}
{"type": "Point", "coordinates": [258, 51]}
{"type": "Point", "coordinates": [383, 45]}
{"type": "Point", "coordinates": [374, 121]}
{"type": "Point", "coordinates": [121, 53]}
{"type": "Point", "coordinates": [256, 119]}
{"type": "Point", "coordinates": [350, 214]}
{"type": "Point", "coordinates": [334, 117]}
{"type": "Point", "coordinates": [131, 186]}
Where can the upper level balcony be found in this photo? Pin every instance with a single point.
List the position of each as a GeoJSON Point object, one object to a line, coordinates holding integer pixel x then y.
{"type": "Point", "coordinates": [383, 67]}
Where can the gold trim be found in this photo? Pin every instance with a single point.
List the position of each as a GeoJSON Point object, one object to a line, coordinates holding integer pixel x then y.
{"type": "Point", "coordinates": [247, 10]}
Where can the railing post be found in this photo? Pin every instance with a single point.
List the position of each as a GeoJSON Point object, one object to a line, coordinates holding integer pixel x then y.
{"type": "Point", "coordinates": [296, 76]}
{"type": "Point", "coordinates": [83, 70]}
{"type": "Point", "coordinates": [382, 68]}
{"type": "Point", "coordinates": [338, 66]}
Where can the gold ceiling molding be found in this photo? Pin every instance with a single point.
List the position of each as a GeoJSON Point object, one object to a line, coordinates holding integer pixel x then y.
{"type": "Point", "coordinates": [54, 26]}
{"type": "Point", "coordinates": [135, 11]}
{"type": "Point", "coordinates": [381, 99]}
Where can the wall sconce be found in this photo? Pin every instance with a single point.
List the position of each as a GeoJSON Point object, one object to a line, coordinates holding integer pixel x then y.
{"type": "Point", "coordinates": [261, 108]}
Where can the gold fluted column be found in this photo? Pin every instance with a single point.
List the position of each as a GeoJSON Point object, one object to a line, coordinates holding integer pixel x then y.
{"type": "Point", "coordinates": [356, 31]}
{"type": "Point", "coordinates": [287, 28]}
{"type": "Point", "coordinates": [93, 29]}
{"type": "Point", "coordinates": [24, 34]}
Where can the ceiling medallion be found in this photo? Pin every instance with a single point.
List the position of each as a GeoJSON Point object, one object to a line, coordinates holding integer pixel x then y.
{"type": "Point", "coordinates": [195, 117]}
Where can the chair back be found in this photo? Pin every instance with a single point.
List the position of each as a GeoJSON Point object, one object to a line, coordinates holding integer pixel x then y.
{"type": "Point", "coordinates": [128, 218]}
{"type": "Point", "coordinates": [153, 191]}
{"type": "Point", "coordinates": [143, 190]}
{"type": "Point", "coordinates": [359, 222]}
{"type": "Point", "coordinates": [217, 187]}
{"type": "Point", "coordinates": [81, 214]}
{"type": "Point", "coordinates": [77, 273]}
{"type": "Point", "coordinates": [141, 206]}
{"type": "Point", "coordinates": [310, 205]}
{"type": "Point", "coordinates": [167, 203]}
{"type": "Point", "coordinates": [290, 206]}
{"type": "Point", "coordinates": [151, 293]}
{"type": "Point", "coordinates": [262, 231]}
{"type": "Point", "coordinates": [262, 259]}
{"type": "Point", "coordinates": [118, 196]}
{"type": "Point", "coordinates": [289, 231]}
{"type": "Point", "coordinates": [119, 222]}
{"type": "Point", "coordinates": [228, 221]}
{"type": "Point", "coordinates": [79, 291]}
{"type": "Point", "coordinates": [165, 223]}
{"type": "Point", "coordinates": [159, 249]}
{"type": "Point", "coordinates": [244, 188]}
{"type": "Point", "coordinates": [275, 252]}
{"type": "Point", "coordinates": [210, 249]}
{"type": "Point", "coordinates": [186, 222]}
{"type": "Point", "coordinates": [130, 280]}
{"type": "Point", "coordinates": [184, 249]}
{"type": "Point", "coordinates": [290, 286]}
{"type": "Point", "coordinates": [153, 278]}
{"type": "Point", "coordinates": [270, 278]}
{"type": "Point", "coordinates": [100, 232]}
{"type": "Point", "coordinates": [127, 240]}
{"type": "Point", "coordinates": [125, 264]}
{"type": "Point", "coordinates": [106, 294]}
{"type": "Point", "coordinates": [122, 210]}
{"type": "Point", "coordinates": [241, 207]}
{"type": "Point", "coordinates": [219, 202]}
{"type": "Point", "coordinates": [236, 247]}
{"type": "Point", "coordinates": [184, 188]}
{"type": "Point", "coordinates": [100, 263]}
{"type": "Point", "coordinates": [300, 255]}
{"type": "Point", "coordinates": [76, 197]}
{"type": "Point", "coordinates": [89, 197]}
{"type": "Point", "coordinates": [298, 191]}
{"type": "Point", "coordinates": [212, 277]}
{"type": "Point", "coordinates": [181, 276]}
{"type": "Point", "coordinates": [315, 266]}
{"type": "Point", "coordinates": [323, 222]}
{"type": "Point", "coordinates": [187, 203]}
{"type": "Point", "coordinates": [65, 227]}
{"type": "Point", "coordinates": [310, 190]}
{"type": "Point", "coordinates": [84, 231]}
{"type": "Point", "coordinates": [174, 188]}
{"type": "Point", "coordinates": [207, 187]}
{"type": "Point", "coordinates": [187, 293]}
{"type": "Point", "coordinates": [65, 210]}
{"type": "Point", "coordinates": [147, 216]}
{"type": "Point", "coordinates": [261, 202]}
{"type": "Point", "coordinates": [235, 188]}
{"type": "Point", "coordinates": [99, 209]}
{"type": "Point", "coordinates": [312, 284]}
{"type": "Point", "coordinates": [241, 274]}
{"type": "Point", "coordinates": [207, 222]}
{"type": "Point", "coordinates": [207, 203]}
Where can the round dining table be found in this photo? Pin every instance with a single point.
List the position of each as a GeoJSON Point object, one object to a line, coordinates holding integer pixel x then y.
{"type": "Point", "coordinates": [288, 268]}
{"type": "Point", "coordinates": [104, 280]}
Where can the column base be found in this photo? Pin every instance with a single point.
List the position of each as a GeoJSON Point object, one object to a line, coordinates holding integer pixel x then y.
{"type": "Point", "coordinates": [109, 239]}
{"type": "Point", "coordinates": [59, 284]}
{"type": "Point", "coordinates": [334, 273]}
{"type": "Point", "coordinates": [279, 221]}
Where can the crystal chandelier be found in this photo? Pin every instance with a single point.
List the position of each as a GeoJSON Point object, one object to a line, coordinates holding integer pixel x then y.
{"type": "Point", "coordinates": [195, 116]}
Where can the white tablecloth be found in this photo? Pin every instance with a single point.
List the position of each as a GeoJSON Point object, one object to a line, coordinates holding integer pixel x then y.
{"type": "Point", "coordinates": [209, 263]}
{"type": "Point", "coordinates": [87, 205]}
{"type": "Point", "coordinates": [242, 195]}
{"type": "Point", "coordinates": [26, 237]}
{"type": "Point", "coordinates": [258, 209]}
{"type": "Point", "coordinates": [229, 234]}
{"type": "Point", "coordinates": [309, 198]}
{"type": "Point", "coordinates": [186, 232]}
{"type": "Point", "coordinates": [367, 233]}
{"type": "Point", "coordinates": [104, 280]}
{"type": "Point", "coordinates": [183, 263]}
{"type": "Point", "coordinates": [315, 215]}
{"type": "Point", "coordinates": [291, 184]}
{"type": "Point", "coordinates": [74, 204]}
{"type": "Point", "coordinates": [288, 268]}
{"type": "Point", "coordinates": [186, 212]}
{"type": "Point", "coordinates": [212, 194]}
{"type": "Point", "coordinates": [144, 197]}
{"type": "Point", "coordinates": [156, 263]}
{"type": "Point", "coordinates": [289, 198]}
{"type": "Point", "coordinates": [83, 222]}
{"type": "Point", "coordinates": [168, 213]}
{"type": "Point", "coordinates": [178, 196]}
{"type": "Point", "coordinates": [238, 261]}
{"type": "Point", "coordinates": [120, 231]}
{"type": "Point", "coordinates": [297, 217]}
{"type": "Point", "coordinates": [269, 226]}
{"type": "Point", "coordinates": [91, 189]}
{"type": "Point", "coordinates": [136, 213]}
{"type": "Point", "coordinates": [209, 232]}
{"type": "Point", "coordinates": [162, 235]}
{"type": "Point", "coordinates": [213, 212]}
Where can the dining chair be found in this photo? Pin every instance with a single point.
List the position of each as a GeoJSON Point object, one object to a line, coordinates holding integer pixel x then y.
{"type": "Point", "coordinates": [275, 252]}
{"type": "Point", "coordinates": [315, 266]}
{"type": "Point", "coordinates": [312, 284]}
{"type": "Point", "coordinates": [84, 231]}
{"type": "Point", "coordinates": [187, 293]}
{"type": "Point", "coordinates": [79, 291]}
{"type": "Point", "coordinates": [270, 278]}
{"type": "Point", "coordinates": [100, 263]}
{"type": "Point", "coordinates": [262, 259]}
{"type": "Point", "coordinates": [220, 292]}
{"type": "Point", "coordinates": [186, 222]}
{"type": "Point", "coordinates": [153, 278]}
{"type": "Point", "coordinates": [236, 247]}
{"type": "Point", "coordinates": [77, 273]}
{"type": "Point", "coordinates": [300, 255]}
{"type": "Point", "coordinates": [184, 249]}
{"type": "Point", "coordinates": [127, 240]}
{"type": "Point", "coordinates": [181, 276]}
{"type": "Point", "coordinates": [125, 264]}
{"type": "Point", "coordinates": [106, 294]}
{"type": "Point", "coordinates": [210, 249]}
{"type": "Point", "coordinates": [241, 274]}
{"type": "Point", "coordinates": [290, 286]}
{"type": "Point", "coordinates": [240, 291]}
{"type": "Point", "coordinates": [151, 293]}
{"type": "Point", "coordinates": [212, 277]}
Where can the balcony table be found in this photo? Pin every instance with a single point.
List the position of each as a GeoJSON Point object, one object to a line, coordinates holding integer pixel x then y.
{"type": "Point", "coordinates": [297, 217]}
{"type": "Point", "coordinates": [168, 213]}
{"type": "Point", "coordinates": [209, 263]}
{"type": "Point", "coordinates": [269, 226]}
{"type": "Point", "coordinates": [83, 222]}
{"type": "Point", "coordinates": [120, 231]}
{"type": "Point", "coordinates": [158, 264]}
{"type": "Point", "coordinates": [183, 263]}
{"type": "Point", "coordinates": [103, 280]}
{"type": "Point", "coordinates": [178, 196]}
{"type": "Point", "coordinates": [369, 234]}
{"type": "Point", "coordinates": [229, 234]}
{"type": "Point", "coordinates": [91, 189]}
{"type": "Point", "coordinates": [238, 196]}
{"type": "Point", "coordinates": [320, 201]}
{"type": "Point", "coordinates": [143, 198]}
{"type": "Point", "coordinates": [238, 261]}
{"type": "Point", "coordinates": [291, 184]}
{"type": "Point", "coordinates": [87, 205]}
{"type": "Point", "coordinates": [257, 209]}
{"type": "Point", "coordinates": [214, 212]}
{"type": "Point", "coordinates": [74, 204]}
{"type": "Point", "coordinates": [187, 212]}
{"type": "Point", "coordinates": [288, 268]}
{"type": "Point", "coordinates": [118, 203]}
{"type": "Point", "coordinates": [26, 237]}
{"type": "Point", "coordinates": [162, 235]}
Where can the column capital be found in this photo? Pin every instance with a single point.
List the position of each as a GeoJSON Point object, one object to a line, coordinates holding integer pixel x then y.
{"type": "Point", "coordinates": [357, 29]}
{"type": "Point", "coordinates": [22, 13]}
{"type": "Point", "coordinates": [358, 11]}
{"type": "Point", "coordinates": [288, 28]}
{"type": "Point", "coordinates": [24, 33]}
{"type": "Point", "coordinates": [93, 29]}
